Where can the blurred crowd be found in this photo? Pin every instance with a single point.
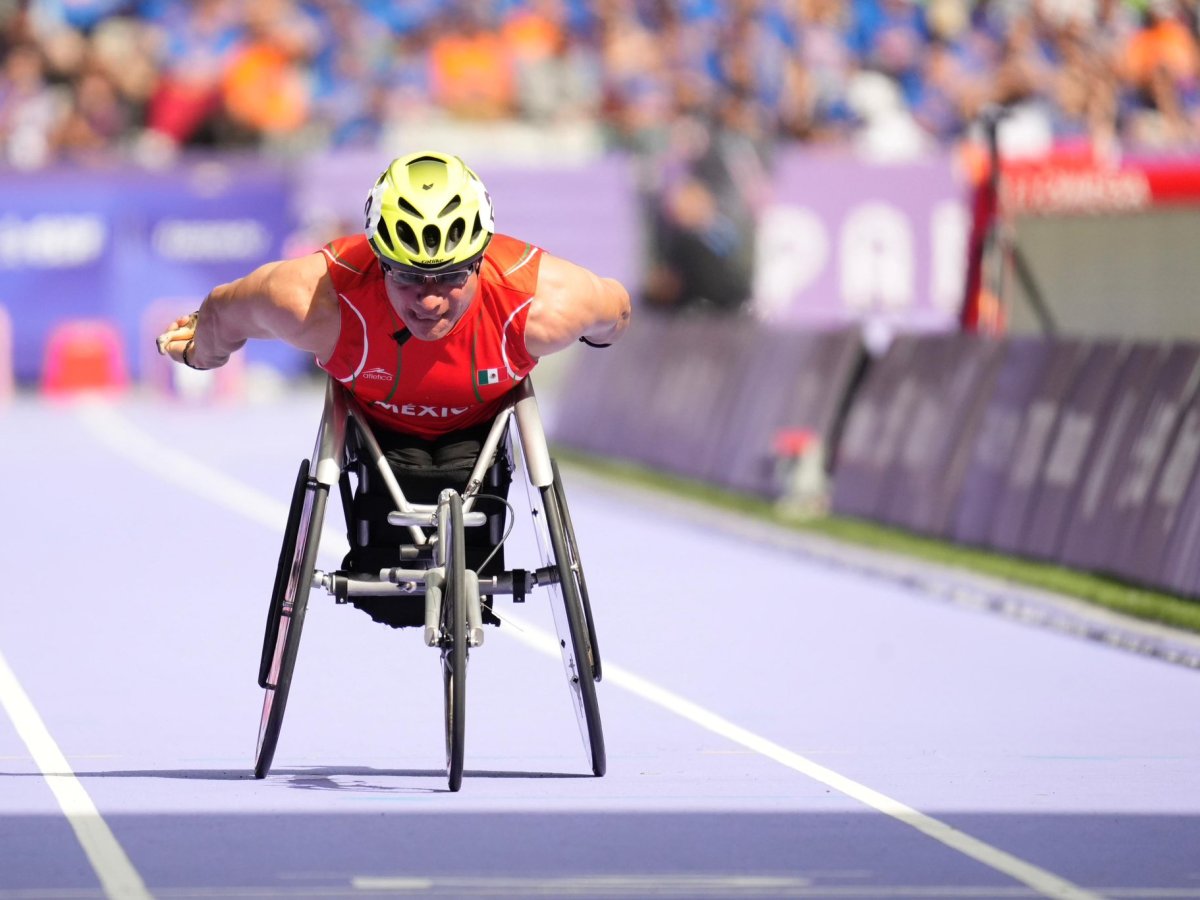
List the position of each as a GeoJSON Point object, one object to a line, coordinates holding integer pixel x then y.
{"type": "Point", "coordinates": [699, 92]}
{"type": "Point", "coordinates": [892, 77]}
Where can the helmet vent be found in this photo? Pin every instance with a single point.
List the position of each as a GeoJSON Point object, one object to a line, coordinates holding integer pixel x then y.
{"type": "Point", "coordinates": [477, 229]}
{"type": "Point", "coordinates": [455, 203]}
{"type": "Point", "coordinates": [408, 237]}
{"type": "Point", "coordinates": [454, 234]}
{"type": "Point", "coordinates": [408, 208]}
{"type": "Point", "coordinates": [432, 238]}
{"type": "Point", "coordinates": [385, 235]}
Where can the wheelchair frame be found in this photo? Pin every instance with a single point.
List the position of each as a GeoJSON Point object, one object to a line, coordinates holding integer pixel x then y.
{"type": "Point", "coordinates": [433, 565]}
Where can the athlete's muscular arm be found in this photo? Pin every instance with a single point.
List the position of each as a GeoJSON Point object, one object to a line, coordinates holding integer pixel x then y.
{"type": "Point", "coordinates": [292, 301]}
{"type": "Point", "coordinates": [572, 302]}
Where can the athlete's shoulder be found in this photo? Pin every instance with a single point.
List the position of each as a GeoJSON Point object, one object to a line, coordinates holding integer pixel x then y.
{"type": "Point", "coordinates": [350, 258]}
{"type": "Point", "coordinates": [513, 263]}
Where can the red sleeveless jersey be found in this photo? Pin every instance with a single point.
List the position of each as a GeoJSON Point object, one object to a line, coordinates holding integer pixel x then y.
{"type": "Point", "coordinates": [431, 388]}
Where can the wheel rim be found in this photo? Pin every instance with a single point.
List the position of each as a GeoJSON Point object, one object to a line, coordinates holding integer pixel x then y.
{"type": "Point", "coordinates": [575, 563]}
{"type": "Point", "coordinates": [570, 624]}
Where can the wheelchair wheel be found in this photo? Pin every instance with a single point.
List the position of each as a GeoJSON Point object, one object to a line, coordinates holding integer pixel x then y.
{"type": "Point", "coordinates": [289, 602]}
{"type": "Point", "coordinates": [577, 568]}
{"type": "Point", "coordinates": [578, 656]}
{"type": "Point", "coordinates": [454, 643]}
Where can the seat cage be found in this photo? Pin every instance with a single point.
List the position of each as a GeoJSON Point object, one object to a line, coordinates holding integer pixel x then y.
{"type": "Point", "coordinates": [329, 453]}
{"type": "Point", "coordinates": [425, 522]}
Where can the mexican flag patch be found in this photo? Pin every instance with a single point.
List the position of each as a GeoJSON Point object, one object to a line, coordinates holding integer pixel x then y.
{"type": "Point", "coordinates": [489, 376]}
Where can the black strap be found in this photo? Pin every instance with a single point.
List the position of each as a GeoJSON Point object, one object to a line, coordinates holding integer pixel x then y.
{"type": "Point", "coordinates": [187, 362]}
{"type": "Point", "coordinates": [584, 340]}
{"type": "Point", "coordinates": [193, 320]}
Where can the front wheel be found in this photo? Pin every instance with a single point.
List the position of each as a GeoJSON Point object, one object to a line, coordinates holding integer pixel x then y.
{"type": "Point", "coordinates": [285, 617]}
{"type": "Point", "coordinates": [454, 640]}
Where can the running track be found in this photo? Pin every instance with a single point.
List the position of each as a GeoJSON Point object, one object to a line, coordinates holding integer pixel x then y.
{"type": "Point", "coordinates": [776, 726]}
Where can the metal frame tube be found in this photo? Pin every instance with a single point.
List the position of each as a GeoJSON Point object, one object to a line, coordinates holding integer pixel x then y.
{"type": "Point", "coordinates": [381, 463]}
{"type": "Point", "coordinates": [487, 456]}
{"type": "Point", "coordinates": [533, 437]}
{"type": "Point", "coordinates": [326, 466]}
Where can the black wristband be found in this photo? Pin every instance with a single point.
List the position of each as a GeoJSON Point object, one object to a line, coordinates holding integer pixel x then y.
{"type": "Point", "coordinates": [584, 340]}
{"type": "Point", "coordinates": [186, 361]}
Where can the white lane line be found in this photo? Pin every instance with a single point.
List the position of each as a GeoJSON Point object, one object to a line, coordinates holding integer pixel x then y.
{"type": "Point", "coordinates": [178, 468]}
{"type": "Point", "coordinates": [122, 437]}
{"type": "Point", "coordinates": [190, 474]}
{"type": "Point", "coordinates": [1045, 883]}
{"type": "Point", "coordinates": [118, 877]}
{"type": "Point", "coordinates": [689, 888]}
{"type": "Point", "coordinates": [685, 887]}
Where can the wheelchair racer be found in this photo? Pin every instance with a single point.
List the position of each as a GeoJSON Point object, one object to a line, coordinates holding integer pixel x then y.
{"type": "Point", "coordinates": [429, 318]}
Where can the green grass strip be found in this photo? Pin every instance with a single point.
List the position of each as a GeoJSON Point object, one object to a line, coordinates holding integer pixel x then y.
{"type": "Point", "coordinates": [1141, 603]}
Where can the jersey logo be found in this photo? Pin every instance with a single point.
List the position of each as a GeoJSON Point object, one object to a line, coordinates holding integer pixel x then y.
{"type": "Point", "coordinates": [420, 410]}
{"type": "Point", "coordinates": [490, 376]}
{"type": "Point", "coordinates": [376, 374]}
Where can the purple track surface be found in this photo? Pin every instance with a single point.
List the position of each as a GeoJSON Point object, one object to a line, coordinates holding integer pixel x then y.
{"type": "Point", "coordinates": [775, 727]}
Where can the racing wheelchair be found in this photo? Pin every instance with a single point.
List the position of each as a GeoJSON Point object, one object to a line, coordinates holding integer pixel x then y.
{"type": "Point", "coordinates": [432, 576]}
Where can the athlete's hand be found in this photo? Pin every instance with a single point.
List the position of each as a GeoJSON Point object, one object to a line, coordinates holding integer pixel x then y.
{"type": "Point", "coordinates": [176, 341]}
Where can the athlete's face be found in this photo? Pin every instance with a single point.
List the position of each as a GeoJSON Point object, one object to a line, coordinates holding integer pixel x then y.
{"type": "Point", "coordinates": [431, 309]}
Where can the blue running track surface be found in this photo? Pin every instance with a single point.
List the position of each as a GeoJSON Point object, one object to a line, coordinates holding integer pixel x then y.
{"type": "Point", "coordinates": [776, 727]}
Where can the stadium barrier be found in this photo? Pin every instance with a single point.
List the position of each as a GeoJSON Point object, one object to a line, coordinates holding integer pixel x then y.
{"type": "Point", "coordinates": [1082, 453]}
{"type": "Point", "coordinates": [904, 458]}
{"type": "Point", "coordinates": [715, 400]}
{"type": "Point", "coordinates": [1076, 452]}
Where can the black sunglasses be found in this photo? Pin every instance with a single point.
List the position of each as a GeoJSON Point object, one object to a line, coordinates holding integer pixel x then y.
{"type": "Point", "coordinates": [452, 278]}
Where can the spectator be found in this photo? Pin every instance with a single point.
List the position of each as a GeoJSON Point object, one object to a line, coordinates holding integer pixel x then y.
{"type": "Point", "coordinates": [945, 101]}
{"type": "Point", "coordinates": [814, 108]}
{"type": "Point", "coordinates": [471, 71]}
{"type": "Point", "coordinates": [889, 36]}
{"type": "Point", "coordinates": [264, 90]}
{"type": "Point", "coordinates": [349, 66]}
{"type": "Point", "coordinates": [704, 223]}
{"type": "Point", "coordinates": [1161, 66]}
{"type": "Point", "coordinates": [98, 117]}
{"type": "Point", "coordinates": [553, 79]}
{"type": "Point", "coordinates": [196, 45]}
{"type": "Point", "coordinates": [29, 108]}
{"type": "Point", "coordinates": [110, 74]}
{"type": "Point", "coordinates": [1086, 90]}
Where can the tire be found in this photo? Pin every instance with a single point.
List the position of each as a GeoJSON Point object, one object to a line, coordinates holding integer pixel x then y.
{"type": "Point", "coordinates": [289, 602]}
{"type": "Point", "coordinates": [283, 570]}
{"type": "Point", "coordinates": [454, 644]}
{"type": "Point", "coordinates": [579, 679]}
{"type": "Point", "coordinates": [577, 567]}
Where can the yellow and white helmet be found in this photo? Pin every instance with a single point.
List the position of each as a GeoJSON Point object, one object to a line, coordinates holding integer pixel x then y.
{"type": "Point", "coordinates": [428, 212]}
